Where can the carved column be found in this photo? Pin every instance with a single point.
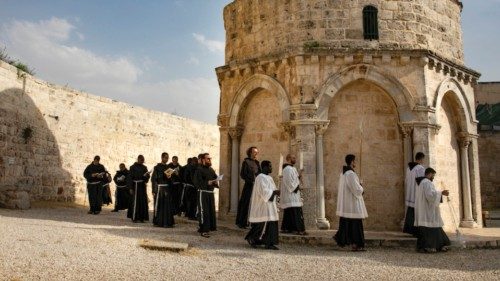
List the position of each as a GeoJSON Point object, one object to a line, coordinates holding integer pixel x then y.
{"type": "Point", "coordinates": [406, 131]}
{"type": "Point", "coordinates": [321, 221]}
{"type": "Point", "coordinates": [235, 133]}
{"type": "Point", "coordinates": [475, 182]}
{"type": "Point", "coordinates": [468, 220]}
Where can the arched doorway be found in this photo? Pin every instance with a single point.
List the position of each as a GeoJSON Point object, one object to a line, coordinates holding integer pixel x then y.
{"type": "Point", "coordinates": [261, 118]}
{"type": "Point", "coordinates": [447, 158]}
{"type": "Point", "coordinates": [363, 110]}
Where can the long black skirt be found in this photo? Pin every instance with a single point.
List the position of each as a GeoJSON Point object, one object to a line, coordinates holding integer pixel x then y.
{"type": "Point", "coordinates": [106, 195]}
{"type": "Point", "coordinates": [263, 233]}
{"type": "Point", "coordinates": [176, 191]}
{"type": "Point", "coordinates": [432, 238]}
{"type": "Point", "coordinates": [122, 198]}
{"type": "Point", "coordinates": [244, 205]}
{"type": "Point", "coordinates": [293, 220]}
{"type": "Point", "coordinates": [140, 210]}
{"type": "Point", "coordinates": [164, 213]}
{"type": "Point", "coordinates": [190, 201]}
{"type": "Point", "coordinates": [206, 212]}
{"type": "Point", "coordinates": [350, 232]}
{"type": "Point", "coordinates": [95, 196]}
{"type": "Point", "coordinates": [409, 222]}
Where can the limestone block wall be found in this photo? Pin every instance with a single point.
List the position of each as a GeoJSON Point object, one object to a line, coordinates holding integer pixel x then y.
{"type": "Point", "coordinates": [489, 149]}
{"type": "Point", "coordinates": [70, 127]}
{"type": "Point", "coordinates": [257, 28]}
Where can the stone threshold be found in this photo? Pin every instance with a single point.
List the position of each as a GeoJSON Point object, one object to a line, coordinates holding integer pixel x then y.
{"type": "Point", "coordinates": [471, 239]}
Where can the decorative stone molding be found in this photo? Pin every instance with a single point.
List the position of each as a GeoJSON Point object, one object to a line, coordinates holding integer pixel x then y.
{"type": "Point", "coordinates": [302, 111]}
{"type": "Point", "coordinates": [321, 127]}
{"type": "Point", "coordinates": [236, 132]}
{"type": "Point", "coordinates": [464, 139]}
{"type": "Point", "coordinates": [289, 129]}
{"type": "Point", "coordinates": [223, 120]}
{"type": "Point", "coordinates": [406, 129]}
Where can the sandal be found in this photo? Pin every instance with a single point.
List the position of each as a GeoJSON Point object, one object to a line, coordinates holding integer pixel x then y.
{"type": "Point", "coordinates": [205, 234]}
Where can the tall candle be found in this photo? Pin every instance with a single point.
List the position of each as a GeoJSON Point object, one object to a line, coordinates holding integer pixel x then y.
{"type": "Point", "coordinates": [301, 161]}
{"type": "Point", "coordinates": [280, 168]}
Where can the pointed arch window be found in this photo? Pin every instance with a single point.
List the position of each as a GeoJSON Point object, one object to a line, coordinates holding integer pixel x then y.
{"type": "Point", "coordinates": [370, 23]}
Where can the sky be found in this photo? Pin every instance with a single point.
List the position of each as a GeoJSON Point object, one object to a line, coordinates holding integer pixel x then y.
{"type": "Point", "coordinates": [161, 55]}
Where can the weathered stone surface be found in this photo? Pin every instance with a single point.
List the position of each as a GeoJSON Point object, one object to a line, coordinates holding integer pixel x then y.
{"type": "Point", "coordinates": [489, 150]}
{"type": "Point", "coordinates": [410, 87]}
{"type": "Point", "coordinates": [69, 127]}
{"type": "Point", "coordinates": [278, 26]}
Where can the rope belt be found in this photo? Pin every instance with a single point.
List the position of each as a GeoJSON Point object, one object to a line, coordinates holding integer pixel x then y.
{"type": "Point", "coordinates": [158, 198]}
{"type": "Point", "coordinates": [93, 183]}
{"type": "Point", "coordinates": [135, 198]}
{"type": "Point", "coordinates": [201, 202]}
{"type": "Point", "coordinates": [121, 186]}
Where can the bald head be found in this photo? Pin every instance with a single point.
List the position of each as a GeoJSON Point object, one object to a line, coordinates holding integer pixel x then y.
{"type": "Point", "coordinates": [291, 159]}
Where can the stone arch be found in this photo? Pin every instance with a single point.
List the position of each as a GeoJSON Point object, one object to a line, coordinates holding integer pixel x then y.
{"type": "Point", "coordinates": [251, 85]}
{"type": "Point", "coordinates": [399, 93]}
{"type": "Point", "coordinates": [464, 110]}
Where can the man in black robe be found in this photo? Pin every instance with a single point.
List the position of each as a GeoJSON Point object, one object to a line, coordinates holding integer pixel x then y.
{"type": "Point", "coordinates": [94, 174]}
{"type": "Point", "coordinates": [250, 168]}
{"type": "Point", "coordinates": [176, 185]}
{"type": "Point", "coordinates": [122, 195]}
{"type": "Point", "coordinates": [205, 181]}
{"type": "Point", "coordinates": [139, 177]}
{"type": "Point", "coordinates": [162, 192]}
{"type": "Point", "coordinates": [189, 189]}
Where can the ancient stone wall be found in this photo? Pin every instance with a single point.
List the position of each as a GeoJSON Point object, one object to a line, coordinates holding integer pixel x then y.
{"type": "Point", "coordinates": [257, 28]}
{"type": "Point", "coordinates": [489, 149]}
{"type": "Point", "coordinates": [69, 127]}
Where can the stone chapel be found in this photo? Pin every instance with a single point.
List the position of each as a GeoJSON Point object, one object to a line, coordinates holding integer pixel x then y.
{"type": "Point", "coordinates": [381, 79]}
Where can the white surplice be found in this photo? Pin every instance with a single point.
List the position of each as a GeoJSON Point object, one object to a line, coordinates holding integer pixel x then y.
{"type": "Point", "coordinates": [291, 181]}
{"type": "Point", "coordinates": [411, 183]}
{"type": "Point", "coordinates": [427, 200]}
{"type": "Point", "coordinates": [350, 203]}
{"type": "Point", "coordinates": [261, 209]}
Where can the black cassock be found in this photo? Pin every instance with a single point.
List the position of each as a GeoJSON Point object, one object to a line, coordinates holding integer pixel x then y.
{"type": "Point", "coordinates": [206, 200]}
{"type": "Point", "coordinates": [176, 189]}
{"type": "Point", "coordinates": [106, 191]}
{"type": "Point", "coordinates": [250, 168]}
{"type": "Point", "coordinates": [137, 183]}
{"type": "Point", "coordinates": [94, 186]}
{"type": "Point", "coordinates": [162, 187]}
{"type": "Point", "coordinates": [190, 192]}
{"type": "Point", "coordinates": [122, 194]}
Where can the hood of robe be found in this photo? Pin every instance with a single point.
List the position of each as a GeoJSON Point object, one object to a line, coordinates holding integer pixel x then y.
{"type": "Point", "coordinates": [420, 179]}
{"type": "Point", "coordinates": [346, 168]}
{"type": "Point", "coordinates": [412, 165]}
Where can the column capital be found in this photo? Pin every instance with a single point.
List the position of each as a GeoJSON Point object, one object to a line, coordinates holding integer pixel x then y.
{"type": "Point", "coordinates": [406, 129]}
{"type": "Point", "coordinates": [289, 128]}
{"type": "Point", "coordinates": [321, 127]}
{"type": "Point", "coordinates": [464, 139]}
{"type": "Point", "coordinates": [223, 120]}
{"type": "Point", "coordinates": [235, 132]}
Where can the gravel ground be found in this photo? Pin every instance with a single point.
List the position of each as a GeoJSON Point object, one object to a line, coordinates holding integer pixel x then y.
{"type": "Point", "coordinates": [67, 244]}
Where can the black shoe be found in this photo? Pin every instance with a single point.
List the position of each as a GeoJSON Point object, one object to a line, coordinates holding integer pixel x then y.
{"type": "Point", "coordinates": [135, 221]}
{"type": "Point", "coordinates": [114, 211]}
{"type": "Point", "coordinates": [97, 213]}
{"type": "Point", "coordinates": [251, 243]}
{"type": "Point", "coordinates": [272, 247]}
{"type": "Point", "coordinates": [90, 212]}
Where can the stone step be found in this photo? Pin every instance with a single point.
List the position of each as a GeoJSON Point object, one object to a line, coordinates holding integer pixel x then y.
{"type": "Point", "coordinates": [159, 245]}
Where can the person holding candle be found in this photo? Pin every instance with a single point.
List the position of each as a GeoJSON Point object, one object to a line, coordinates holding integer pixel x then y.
{"type": "Point", "coordinates": [290, 199]}
{"type": "Point", "coordinates": [350, 208]}
{"type": "Point", "coordinates": [263, 211]}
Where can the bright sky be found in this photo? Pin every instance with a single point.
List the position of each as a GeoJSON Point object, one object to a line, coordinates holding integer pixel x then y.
{"type": "Point", "coordinates": [162, 54]}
